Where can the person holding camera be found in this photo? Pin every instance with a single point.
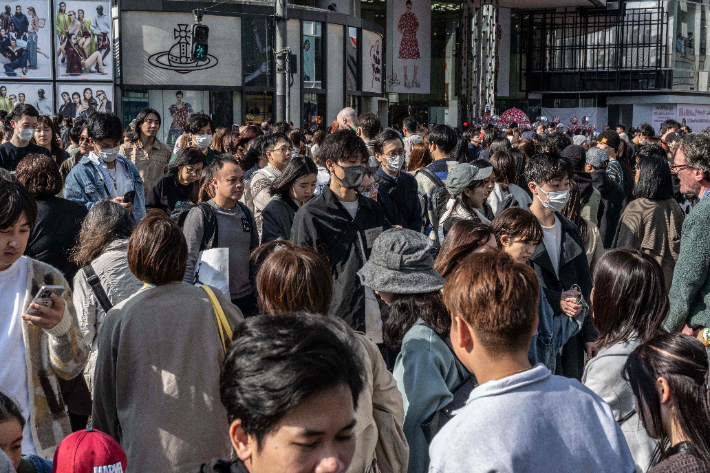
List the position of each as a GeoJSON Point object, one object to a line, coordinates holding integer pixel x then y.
{"type": "Point", "coordinates": [105, 174]}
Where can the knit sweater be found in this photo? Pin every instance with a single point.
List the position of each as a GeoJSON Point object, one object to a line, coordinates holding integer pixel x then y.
{"type": "Point", "coordinates": [59, 352]}
{"type": "Point", "coordinates": [690, 292]}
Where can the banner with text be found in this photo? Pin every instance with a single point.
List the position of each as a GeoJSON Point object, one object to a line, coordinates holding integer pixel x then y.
{"type": "Point", "coordinates": [697, 117]}
{"type": "Point", "coordinates": [409, 46]}
{"type": "Point", "coordinates": [661, 113]}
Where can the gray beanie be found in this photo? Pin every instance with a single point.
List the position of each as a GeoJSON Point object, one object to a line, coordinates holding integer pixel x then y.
{"type": "Point", "coordinates": [401, 262]}
{"type": "Point", "coordinates": [464, 174]}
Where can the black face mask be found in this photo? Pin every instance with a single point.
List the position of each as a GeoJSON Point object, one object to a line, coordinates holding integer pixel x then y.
{"type": "Point", "coordinates": [352, 176]}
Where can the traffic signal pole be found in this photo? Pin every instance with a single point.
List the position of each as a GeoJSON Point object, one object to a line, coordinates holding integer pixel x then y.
{"type": "Point", "coordinates": [281, 59]}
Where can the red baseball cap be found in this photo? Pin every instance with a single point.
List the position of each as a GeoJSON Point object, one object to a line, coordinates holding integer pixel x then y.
{"type": "Point", "coordinates": [89, 451]}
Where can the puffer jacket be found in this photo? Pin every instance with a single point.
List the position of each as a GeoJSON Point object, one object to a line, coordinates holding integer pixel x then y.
{"type": "Point", "coordinates": [118, 283]}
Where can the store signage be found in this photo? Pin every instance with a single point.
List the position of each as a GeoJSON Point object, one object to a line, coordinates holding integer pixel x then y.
{"type": "Point", "coordinates": [178, 57]}
{"type": "Point", "coordinates": [661, 113]}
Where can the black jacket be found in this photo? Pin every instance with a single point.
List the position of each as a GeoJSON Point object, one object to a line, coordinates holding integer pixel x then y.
{"type": "Point", "coordinates": [584, 181]}
{"type": "Point", "coordinates": [611, 206]}
{"type": "Point", "coordinates": [574, 269]}
{"type": "Point", "coordinates": [323, 223]}
{"type": "Point", "coordinates": [405, 196]}
{"type": "Point", "coordinates": [277, 219]}
{"type": "Point", "coordinates": [223, 466]}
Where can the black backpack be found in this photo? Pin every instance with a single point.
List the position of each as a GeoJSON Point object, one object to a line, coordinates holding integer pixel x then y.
{"type": "Point", "coordinates": [209, 218]}
{"type": "Point", "coordinates": [434, 202]}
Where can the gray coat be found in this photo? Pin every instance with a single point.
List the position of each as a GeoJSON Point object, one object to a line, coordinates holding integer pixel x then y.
{"type": "Point", "coordinates": [119, 284]}
{"type": "Point", "coordinates": [603, 375]}
{"type": "Point", "coordinates": [277, 219]}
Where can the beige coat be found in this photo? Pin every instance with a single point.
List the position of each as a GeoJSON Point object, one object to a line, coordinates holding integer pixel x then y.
{"type": "Point", "coordinates": [151, 161]}
{"type": "Point", "coordinates": [381, 444]}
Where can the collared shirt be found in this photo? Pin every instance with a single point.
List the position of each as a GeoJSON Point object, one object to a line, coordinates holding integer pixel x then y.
{"type": "Point", "coordinates": [44, 107]}
{"type": "Point", "coordinates": [705, 194]}
{"type": "Point", "coordinates": [150, 161]}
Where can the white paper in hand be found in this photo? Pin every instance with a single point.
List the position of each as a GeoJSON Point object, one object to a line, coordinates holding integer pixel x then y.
{"type": "Point", "coordinates": [212, 268]}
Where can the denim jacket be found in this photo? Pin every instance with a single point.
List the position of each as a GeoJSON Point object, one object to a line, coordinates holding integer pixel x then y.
{"type": "Point", "coordinates": [85, 185]}
{"type": "Point", "coordinates": [553, 331]}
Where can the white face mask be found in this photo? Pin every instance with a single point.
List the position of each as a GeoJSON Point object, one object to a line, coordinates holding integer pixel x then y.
{"type": "Point", "coordinates": [556, 201]}
{"type": "Point", "coordinates": [203, 141]}
{"type": "Point", "coordinates": [25, 134]}
{"type": "Point", "coordinates": [642, 142]}
{"type": "Point", "coordinates": [109, 155]}
{"type": "Point", "coordinates": [395, 163]}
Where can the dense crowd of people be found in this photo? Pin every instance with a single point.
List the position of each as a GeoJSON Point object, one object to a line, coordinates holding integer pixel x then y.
{"type": "Point", "coordinates": [271, 299]}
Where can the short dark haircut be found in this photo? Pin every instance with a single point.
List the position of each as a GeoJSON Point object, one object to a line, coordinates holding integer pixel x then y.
{"type": "Point", "coordinates": [497, 297]}
{"type": "Point", "coordinates": [410, 124]}
{"type": "Point", "coordinates": [370, 124]}
{"type": "Point", "coordinates": [646, 130]}
{"type": "Point", "coordinates": [299, 166]}
{"type": "Point", "coordinates": [275, 363]}
{"type": "Point", "coordinates": [9, 410]}
{"type": "Point", "coordinates": [554, 143]}
{"type": "Point", "coordinates": [622, 126]}
{"type": "Point", "coordinates": [24, 109]}
{"type": "Point", "coordinates": [544, 168]}
{"type": "Point", "coordinates": [157, 251]}
{"type": "Point", "coordinates": [342, 145]}
{"type": "Point", "coordinates": [630, 297]}
{"type": "Point", "coordinates": [670, 123]}
{"type": "Point", "coordinates": [388, 134]}
{"type": "Point", "coordinates": [655, 181]}
{"type": "Point", "coordinates": [197, 121]}
{"type": "Point", "coordinates": [444, 137]}
{"type": "Point", "coordinates": [500, 144]}
{"type": "Point", "coordinates": [516, 222]}
{"type": "Point", "coordinates": [140, 119]}
{"type": "Point", "coordinates": [40, 175]}
{"type": "Point", "coordinates": [220, 161]}
{"type": "Point", "coordinates": [74, 133]}
{"type": "Point", "coordinates": [282, 127]}
{"type": "Point", "coordinates": [15, 200]}
{"type": "Point", "coordinates": [270, 141]}
{"type": "Point", "coordinates": [186, 157]}
{"type": "Point", "coordinates": [104, 126]}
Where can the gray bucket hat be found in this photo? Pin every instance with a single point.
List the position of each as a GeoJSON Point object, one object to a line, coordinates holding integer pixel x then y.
{"type": "Point", "coordinates": [596, 157]}
{"type": "Point", "coordinates": [464, 174]}
{"type": "Point", "coordinates": [401, 262]}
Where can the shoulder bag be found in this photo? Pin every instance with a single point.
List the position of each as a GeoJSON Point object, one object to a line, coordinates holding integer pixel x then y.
{"type": "Point", "coordinates": [225, 331]}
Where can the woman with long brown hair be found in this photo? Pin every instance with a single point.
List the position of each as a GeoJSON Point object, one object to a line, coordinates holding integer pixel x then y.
{"type": "Point", "coordinates": [589, 232]}
{"type": "Point", "coordinates": [419, 158]}
{"type": "Point", "coordinates": [47, 135]}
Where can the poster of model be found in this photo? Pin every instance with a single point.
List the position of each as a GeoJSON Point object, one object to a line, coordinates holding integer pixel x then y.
{"type": "Point", "coordinates": [25, 39]}
{"type": "Point", "coordinates": [81, 100]}
{"type": "Point", "coordinates": [409, 46]}
{"type": "Point", "coordinates": [39, 95]}
{"type": "Point", "coordinates": [83, 40]}
{"type": "Point", "coordinates": [371, 62]}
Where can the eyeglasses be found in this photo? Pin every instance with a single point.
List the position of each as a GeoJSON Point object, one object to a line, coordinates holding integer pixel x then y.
{"type": "Point", "coordinates": [394, 155]}
{"type": "Point", "coordinates": [677, 167]}
{"type": "Point", "coordinates": [82, 139]}
{"type": "Point", "coordinates": [285, 149]}
{"type": "Point", "coordinates": [190, 170]}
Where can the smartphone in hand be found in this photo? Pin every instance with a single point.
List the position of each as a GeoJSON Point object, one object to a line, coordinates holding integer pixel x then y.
{"type": "Point", "coordinates": [43, 297]}
{"type": "Point", "coordinates": [129, 197]}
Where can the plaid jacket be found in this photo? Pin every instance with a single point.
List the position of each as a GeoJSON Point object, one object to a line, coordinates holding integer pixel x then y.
{"type": "Point", "coordinates": [59, 352]}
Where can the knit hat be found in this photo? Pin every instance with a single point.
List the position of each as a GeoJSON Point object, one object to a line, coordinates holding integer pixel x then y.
{"type": "Point", "coordinates": [576, 156]}
{"type": "Point", "coordinates": [464, 174]}
{"type": "Point", "coordinates": [87, 451]}
{"type": "Point", "coordinates": [401, 262]}
{"type": "Point", "coordinates": [610, 138]}
{"type": "Point", "coordinates": [579, 139]}
{"type": "Point", "coordinates": [596, 157]}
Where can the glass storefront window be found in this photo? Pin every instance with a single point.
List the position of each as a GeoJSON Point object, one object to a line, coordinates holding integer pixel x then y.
{"type": "Point", "coordinates": [256, 52]}
{"type": "Point", "coordinates": [353, 66]}
{"type": "Point", "coordinates": [314, 110]}
{"type": "Point", "coordinates": [174, 107]}
{"type": "Point", "coordinates": [131, 104]}
{"type": "Point", "coordinates": [354, 102]}
{"type": "Point", "coordinates": [259, 107]}
{"type": "Point", "coordinates": [312, 55]}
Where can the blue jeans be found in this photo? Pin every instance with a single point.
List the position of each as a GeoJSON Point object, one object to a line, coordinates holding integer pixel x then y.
{"type": "Point", "coordinates": [32, 50]}
{"type": "Point", "coordinates": [19, 62]}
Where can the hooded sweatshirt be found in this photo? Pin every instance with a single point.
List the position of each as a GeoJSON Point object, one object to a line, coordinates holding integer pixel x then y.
{"type": "Point", "coordinates": [589, 196]}
{"type": "Point", "coordinates": [613, 202]}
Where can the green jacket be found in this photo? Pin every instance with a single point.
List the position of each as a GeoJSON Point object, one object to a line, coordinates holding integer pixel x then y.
{"type": "Point", "coordinates": [591, 208]}
{"type": "Point", "coordinates": [690, 292]}
{"type": "Point", "coordinates": [209, 156]}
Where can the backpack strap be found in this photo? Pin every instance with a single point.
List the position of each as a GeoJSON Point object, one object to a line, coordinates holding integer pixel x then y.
{"type": "Point", "coordinates": [432, 177]}
{"type": "Point", "coordinates": [209, 220]}
{"type": "Point", "coordinates": [93, 279]}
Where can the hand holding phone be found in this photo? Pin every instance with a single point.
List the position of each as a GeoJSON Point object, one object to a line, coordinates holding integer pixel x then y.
{"type": "Point", "coordinates": [47, 308]}
{"type": "Point", "coordinates": [129, 197]}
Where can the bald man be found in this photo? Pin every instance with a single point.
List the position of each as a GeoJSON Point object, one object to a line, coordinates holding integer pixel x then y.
{"type": "Point", "coordinates": [347, 119]}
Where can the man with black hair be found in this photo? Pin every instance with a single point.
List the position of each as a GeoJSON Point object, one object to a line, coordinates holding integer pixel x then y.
{"type": "Point", "coordinates": [590, 198]}
{"type": "Point", "coordinates": [613, 198]}
{"type": "Point", "coordinates": [645, 131]}
{"type": "Point", "coordinates": [553, 143]}
{"type": "Point", "coordinates": [200, 129]}
{"type": "Point", "coordinates": [621, 130]}
{"type": "Point", "coordinates": [560, 260]}
{"type": "Point", "coordinates": [105, 174]}
{"type": "Point", "coordinates": [277, 149]}
{"type": "Point", "coordinates": [368, 126]}
{"type": "Point", "coordinates": [283, 127]}
{"type": "Point", "coordinates": [79, 136]}
{"type": "Point", "coordinates": [400, 186]}
{"type": "Point", "coordinates": [290, 386]}
{"type": "Point", "coordinates": [342, 224]}
{"type": "Point", "coordinates": [411, 137]}
{"type": "Point", "coordinates": [24, 123]}
{"type": "Point", "coordinates": [233, 227]}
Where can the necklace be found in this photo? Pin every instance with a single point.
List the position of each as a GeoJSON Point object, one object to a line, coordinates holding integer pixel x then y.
{"type": "Point", "coordinates": [113, 178]}
{"type": "Point", "coordinates": [511, 374]}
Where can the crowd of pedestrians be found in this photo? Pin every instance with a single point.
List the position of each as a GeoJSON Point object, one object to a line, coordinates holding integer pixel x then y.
{"type": "Point", "coordinates": [270, 299]}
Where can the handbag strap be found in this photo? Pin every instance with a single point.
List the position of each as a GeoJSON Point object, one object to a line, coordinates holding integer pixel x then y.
{"type": "Point", "coordinates": [450, 346]}
{"type": "Point", "coordinates": [222, 324]}
{"type": "Point", "coordinates": [93, 279]}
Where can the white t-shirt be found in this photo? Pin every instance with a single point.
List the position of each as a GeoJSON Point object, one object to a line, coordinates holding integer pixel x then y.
{"type": "Point", "coordinates": [13, 368]}
{"type": "Point", "coordinates": [351, 207]}
{"type": "Point", "coordinates": [552, 237]}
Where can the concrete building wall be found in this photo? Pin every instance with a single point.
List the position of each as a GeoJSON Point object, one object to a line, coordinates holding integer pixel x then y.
{"type": "Point", "coordinates": [335, 67]}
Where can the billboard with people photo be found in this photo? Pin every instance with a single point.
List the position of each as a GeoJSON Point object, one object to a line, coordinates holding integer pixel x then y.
{"type": "Point", "coordinates": [83, 40]}
{"type": "Point", "coordinates": [81, 100]}
{"type": "Point", "coordinates": [38, 95]}
{"type": "Point", "coordinates": [25, 39]}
